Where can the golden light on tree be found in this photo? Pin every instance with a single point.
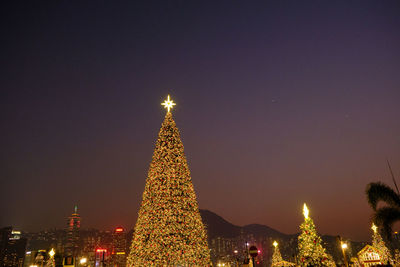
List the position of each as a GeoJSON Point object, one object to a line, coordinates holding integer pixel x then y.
{"type": "Point", "coordinates": [305, 211]}
{"type": "Point", "coordinates": [169, 230]}
{"type": "Point", "coordinates": [168, 104]}
{"type": "Point", "coordinates": [311, 251]}
{"type": "Point", "coordinates": [374, 227]}
{"type": "Point", "coordinates": [379, 244]}
{"type": "Point", "coordinates": [52, 252]}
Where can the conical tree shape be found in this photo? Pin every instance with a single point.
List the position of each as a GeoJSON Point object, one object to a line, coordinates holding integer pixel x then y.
{"type": "Point", "coordinates": [169, 230]}
{"type": "Point", "coordinates": [379, 244]}
{"type": "Point", "coordinates": [276, 256]}
{"type": "Point", "coordinates": [311, 252]}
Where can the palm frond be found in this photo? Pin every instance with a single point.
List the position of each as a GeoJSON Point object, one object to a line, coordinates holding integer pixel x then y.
{"type": "Point", "coordinates": [386, 217]}
{"type": "Point", "coordinates": [378, 191]}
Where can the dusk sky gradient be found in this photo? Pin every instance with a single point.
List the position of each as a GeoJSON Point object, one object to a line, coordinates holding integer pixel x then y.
{"type": "Point", "coordinates": [278, 103]}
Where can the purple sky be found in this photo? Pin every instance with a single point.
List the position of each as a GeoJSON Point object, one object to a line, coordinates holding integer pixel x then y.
{"type": "Point", "coordinates": [278, 103]}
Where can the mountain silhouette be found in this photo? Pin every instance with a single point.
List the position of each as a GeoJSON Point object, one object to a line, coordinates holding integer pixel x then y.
{"type": "Point", "coordinates": [219, 227]}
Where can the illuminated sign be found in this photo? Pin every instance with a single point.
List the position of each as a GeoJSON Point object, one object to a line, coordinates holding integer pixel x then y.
{"type": "Point", "coordinates": [119, 229]}
{"type": "Point", "coordinates": [69, 261]}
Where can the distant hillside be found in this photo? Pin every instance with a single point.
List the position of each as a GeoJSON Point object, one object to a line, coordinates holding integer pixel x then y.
{"type": "Point", "coordinates": [218, 226]}
{"type": "Point", "coordinates": [263, 230]}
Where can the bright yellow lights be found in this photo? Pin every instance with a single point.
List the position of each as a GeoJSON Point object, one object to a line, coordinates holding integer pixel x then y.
{"type": "Point", "coordinates": [374, 227]}
{"type": "Point", "coordinates": [344, 245]}
{"type": "Point", "coordinates": [83, 261]}
{"type": "Point", "coordinates": [168, 104]}
{"type": "Point", "coordinates": [305, 211]}
{"type": "Point", "coordinates": [275, 244]}
{"type": "Point", "coordinates": [180, 228]}
{"type": "Point", "coordinates": [52, 252]}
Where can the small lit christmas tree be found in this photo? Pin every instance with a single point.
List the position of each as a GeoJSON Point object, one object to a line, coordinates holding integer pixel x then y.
{"type": "Point", "coordinates": [50, 262]}
{"type": "Point", "coordinates": [379, 244]}
{"type": "Point", "coordinates": [169, 230]}
{"type": "Point", "coordinates": [311, 252]}
{"type": "Point", "coordinates": [276, 256]}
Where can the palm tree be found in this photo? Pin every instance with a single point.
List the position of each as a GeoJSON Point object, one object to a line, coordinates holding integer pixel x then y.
{"type": "Point", "coordinates": [386, 215]}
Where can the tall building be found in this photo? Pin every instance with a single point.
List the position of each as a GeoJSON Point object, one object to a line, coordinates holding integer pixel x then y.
{"type": "Point", "coordinates": [74, 224]}
{"type": "Point", "coordinates": [118, 256]}
{"type": "Point", "coordinates": [101, 257]}
{"type": "Point", "coordinates": [12, 248]}
{"type": "Point", "coordinates": [5, 234]}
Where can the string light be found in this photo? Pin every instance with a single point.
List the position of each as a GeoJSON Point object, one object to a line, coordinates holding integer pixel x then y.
{"type": "Point", "coordinates": [169, 230]}
{"type": "Point", "coordinates": [380, 246]}
{"type": "Point", "coordinates": [311, 251]}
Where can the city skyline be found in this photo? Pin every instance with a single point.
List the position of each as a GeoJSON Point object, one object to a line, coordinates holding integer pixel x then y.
{"type": "Point", "coordinates": [278, 104]}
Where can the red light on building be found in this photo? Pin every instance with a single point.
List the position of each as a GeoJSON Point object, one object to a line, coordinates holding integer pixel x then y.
{"type": "Point", "coordinates": [101, 250]}
{"type": "Point", "coordinates": [119, 230]}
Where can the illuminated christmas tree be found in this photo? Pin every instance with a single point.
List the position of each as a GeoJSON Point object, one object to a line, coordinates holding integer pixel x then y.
{"type": "Point", "coordinates": [379, 244]}
{"type": "Point", "coordinates": [276, 256]}
{"type": "Point", "coordinates": [169, 230]}
{"type": "Point", "coordinates": [277, 260]}
{"type": "Point", "coordinates": [311, 252]}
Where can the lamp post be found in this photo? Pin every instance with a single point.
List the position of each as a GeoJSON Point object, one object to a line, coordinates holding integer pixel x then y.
{"type": "Point", "coordinates": [83, 261]}
{"type": "Point", "coordinates": [247, 255]}
{"type": "Point", "coordinates": [344, 247]}
{"type": "Point", "coordinates": [236, 257]}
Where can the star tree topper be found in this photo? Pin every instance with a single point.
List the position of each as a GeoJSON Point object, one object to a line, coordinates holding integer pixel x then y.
{"type": "Point", "coordinates": [305, 211]}
{"type": "Point", "coordinates": [374, 228]}
{"type": "Point", "coordinates": [168, 104]}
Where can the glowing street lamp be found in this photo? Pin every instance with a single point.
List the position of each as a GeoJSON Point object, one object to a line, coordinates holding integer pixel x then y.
{"type": "Point", "coordinates": [236, 257]}
{"type": "Point", "coordinates": [83, 261]}
{"type": "Point", "coordinates": [344, 247]}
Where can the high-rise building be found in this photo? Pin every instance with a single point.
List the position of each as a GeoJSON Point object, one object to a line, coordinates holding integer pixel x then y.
{"type": "Point", "coordinates": [118, 256]}
{"type": "Point", "coordinates": [5, 234]}
{"type": "Point", "coordinates": [12, 248]}
{"type": "Point", "coordinates": [101, 257]}
{"type": "Point", "coordinates": [74, 224]}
